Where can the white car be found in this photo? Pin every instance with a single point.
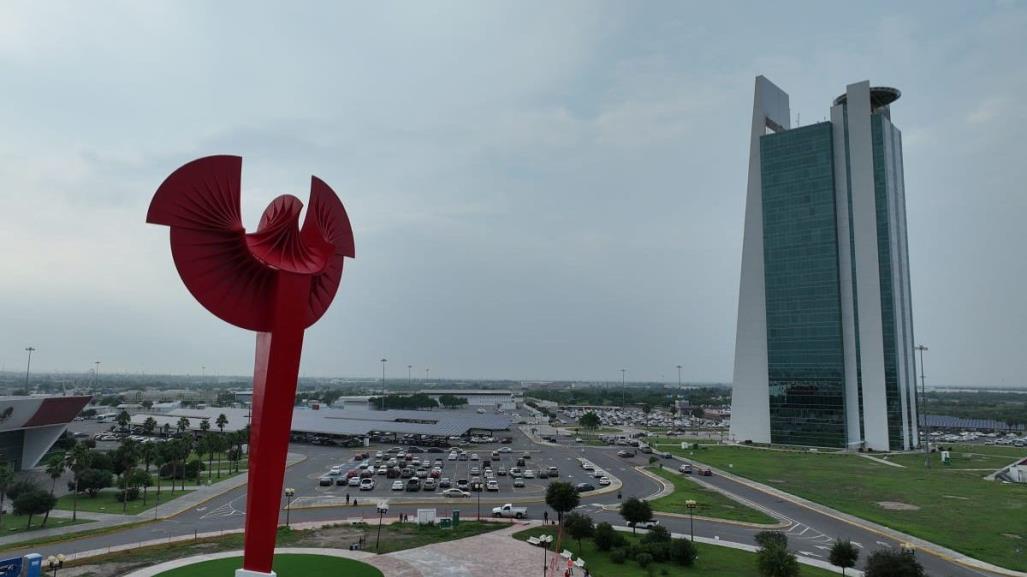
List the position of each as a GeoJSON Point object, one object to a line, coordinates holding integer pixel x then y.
{"type": "Point", "coordinates": [492, 485]}
{"type": "Point", "coordinates": [504, 450]}
{"type": "Point", "coordinates": [397, 485]}
{"type": "Point", "coordinates": [598, 474]}
{"type": "Point", "coordinates": [353, 482]}
{"type": "Point", "coordinates": [336, 470]}
{"type": "Point", "coordinates": [588, 466]}
{"type": "Point", "coordinates": [474, 456]}
{"type": "Point", "coordinates": [452, 456]}
{"type": "Point", "coordinates": [367, 484]}
{"type": "Point", "coordinates": [455, 493]}
{"type": "Point", "coordinates": [529, 473]}
{"type": "Point", "coordinates": [604, 481]}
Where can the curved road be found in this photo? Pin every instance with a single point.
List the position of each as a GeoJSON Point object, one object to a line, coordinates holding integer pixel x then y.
{"type": "Point", "coordinates": [810, 532]}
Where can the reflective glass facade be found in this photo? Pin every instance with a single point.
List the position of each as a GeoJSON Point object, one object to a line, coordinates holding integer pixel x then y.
{"type": "Point", "coordinates": [803, 301]}
{"type": "Point", "coordinates": [11, 443]}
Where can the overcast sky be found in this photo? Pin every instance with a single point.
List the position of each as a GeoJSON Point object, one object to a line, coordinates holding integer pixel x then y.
{"type": "Point", "coordinates": [548, 190]}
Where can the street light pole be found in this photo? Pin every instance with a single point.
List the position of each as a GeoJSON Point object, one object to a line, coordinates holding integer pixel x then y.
{"type": "Point", "coordinates": [289, 492]}
{"type": "Point", "coordinates": [96, 374]}
{"type": "Point", "coordinates": [691, 504]}
{"type": "Point", "coordinates": [28, 366]}
{"type": "Point", "coordinates": [410, 374]}
{"type": "Point", "coordinates": [381, 517]}
{"type": "Point", "coordinates": [623, 403]}
{"type": "Point", "coordinates": [383, 382]}
{"type": "Point", "coordinates": [923, 409]}
{"type": "Point", "coordinates": [679, 376]}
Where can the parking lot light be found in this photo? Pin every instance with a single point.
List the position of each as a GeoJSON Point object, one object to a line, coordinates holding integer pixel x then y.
{"type": "Point", "coordinates": [546, 540]}
{"type": "Point", "coordinates": [691, 504]}
{"type": "Point", "coordinates": [54, 563]}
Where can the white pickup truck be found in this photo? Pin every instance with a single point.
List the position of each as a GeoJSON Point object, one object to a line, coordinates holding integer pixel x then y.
{"type": "Point", "coordinates": [509, 510]}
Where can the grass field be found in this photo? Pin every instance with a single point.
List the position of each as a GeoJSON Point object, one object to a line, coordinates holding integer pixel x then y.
{"type": "Point", "coordinates": [948, 505]}
{"type": "Point", "coordinates": [286, 565]}
{"type": "Point", "coordinates": [709, 503]}
{"type": "Point", "coordinates": [107, 502]}
{"type": "Point", "coordinates": [712, 561]}
{"type": "Point", "coordinates": [19, 523]}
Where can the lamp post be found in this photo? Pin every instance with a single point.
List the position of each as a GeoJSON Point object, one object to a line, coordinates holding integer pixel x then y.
{"type": "Point", "coordinates": [96, 374]}
{"type": "Point", "coordinates": [477, 490]}
{"type": "Point", "coordinates": [55, 563]}
{"type": "Point", "coordinates": [623, 403]}
{"type": "Point", "coordinates": [382, 510]}
{"type": "Point", "coordinates": [384, 360]}
{"type": "Point", "coordinates": [679, 376]}
{"type": "Point", "coordinates": [923, 409]}
{"type": "Point", "coordinates": [691, 504]}
{"type": "Point", "coordinates": [28, 366]}
{"type": "Point", "coordinates": [546, 540]}
{"type": "Point", "coordinates": [410, 374]}
{"type": "Point", "coordinates": [289, 492]}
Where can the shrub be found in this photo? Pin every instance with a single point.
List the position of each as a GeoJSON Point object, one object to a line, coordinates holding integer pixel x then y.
{"type": "Point", "coordinates": [133, 494]}
{"type": "Point", "coordinates": [660, 552]}
{"type": "Point", "coordinates": [644, 560]}
{"type": "Point", "coordinates": [769, 539]}
{"type": "Point", "coordinates": [658, 534]}
{"type": "Point", "coordinates": [682, 552]}
{"type": "Point", "coordinates": [607, 538]}
{"type": "Point", "coordinates": [618, 556]}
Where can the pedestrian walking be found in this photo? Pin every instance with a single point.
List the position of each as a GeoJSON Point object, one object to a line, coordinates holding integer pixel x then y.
{"type": "Point", "coordinates": [347, 498]}
{"type": "Point", "coordinates": [545, 517]}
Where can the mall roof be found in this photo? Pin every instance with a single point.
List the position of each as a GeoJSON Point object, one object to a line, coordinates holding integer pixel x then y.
{"type": "Point", "coordinates": [347, 421]}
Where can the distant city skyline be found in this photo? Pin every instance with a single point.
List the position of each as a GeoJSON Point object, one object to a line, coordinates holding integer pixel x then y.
{"type": "Point", "coordinates": [538, 191]}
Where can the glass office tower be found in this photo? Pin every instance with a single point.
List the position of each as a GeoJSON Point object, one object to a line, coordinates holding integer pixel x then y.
{"type": "Point", "coordinates": [824, 352]}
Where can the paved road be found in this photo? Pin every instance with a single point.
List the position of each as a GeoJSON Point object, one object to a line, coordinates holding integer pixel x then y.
{"type": "Point", "coordinates": [810, 532]}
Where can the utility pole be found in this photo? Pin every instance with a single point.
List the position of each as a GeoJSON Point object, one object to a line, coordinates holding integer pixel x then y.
{"type": "Point", "coordinates": [383, 382]}
{"type": "Point", "coordinates": [28, 366]}
{"type": "Point", "coordinates": [426, 371]}
{"type": "Point", "coordinates": [410, 374]}
{"type": "Point", "coordinates": [679, 376]}
{"type": "Point", "coordinates": [923, 409]}
{"type": "Point", "coordinates": [96, 374]}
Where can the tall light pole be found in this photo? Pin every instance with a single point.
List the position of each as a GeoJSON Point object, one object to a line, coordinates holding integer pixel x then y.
{"type": "Point", "coordinates": [28, 366]}
{"type": "Point", "coordinates": [623, 403]}
{"type": "Point", "coordinates": [546, 540]}
{"type": "Point", "coordinates": [426, 371]}
{"type": "Point", "coordinates": [410, 374]}
{"type": "Point", "coordinates": [691, 504]}
{"type": "Point", "coordinates": [384, 360]}
{"type": "Point", "coordinates": [923, 409]}
{"type": "Point", "coordinates": [679, 376]}
{"type": "Point", "coordinates": [96, 374]}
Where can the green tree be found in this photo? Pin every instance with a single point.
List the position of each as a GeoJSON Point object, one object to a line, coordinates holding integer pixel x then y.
{"type": "Point", "coordinates": [776, 561]}
{"type": "Point", "coordinates": [148, 452]}
{"type": "Point", "coordinates": [885, 563]}
{"type": "Point", "coordinates": [91, 481]}
{"type": "Point", "coordinates": [579, 526]}
{"type": "Point", "coordinates": [767, 539]}
{"type": "Point", "coordinates": [34, 502]}
{"type": "Point", "coordinates": [682, 552]}
{"type": "Point", "coordinates": [606, 537]}
{"type": "Point", "coordinates": [561, 497]}
{"type": "Point", "coordinates": [166, 430]}
{"type": "Point", "coordinates": [205, 425]}
{"type": "Point", "coordinates": [222, 420]}
{"type": "Point", "coordinates": [54, 470]}
{"type": "Point", "coordinates": [635, 511]}
{"type": "Point", "coordinates": [590, 422]}
{"type": "Point", "coordinates": [149, 425]}
{"type": "Point", "coordinates": [6, 479]}
{"type": "Point", "coordinates": [124, 419]}
{"type": "Point", "coordinates": [843, 554]}
{"type": "Point", "coordinates": [76, 460]}
{"type": "Point", "coordinates": [182, 425]}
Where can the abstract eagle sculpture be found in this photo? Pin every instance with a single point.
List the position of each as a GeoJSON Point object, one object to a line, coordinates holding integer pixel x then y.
{"type": "Point", "coordinates": [277, 281]}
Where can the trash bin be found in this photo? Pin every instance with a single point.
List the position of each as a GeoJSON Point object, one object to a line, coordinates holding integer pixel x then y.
{"type": "Point", "coordinates": [456, 517]}
{"type": "Point", "coordinates": [445, 523]}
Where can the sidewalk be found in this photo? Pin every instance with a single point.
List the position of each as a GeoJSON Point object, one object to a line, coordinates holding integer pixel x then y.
{"type": "Point", "coordinates": [177, 506]}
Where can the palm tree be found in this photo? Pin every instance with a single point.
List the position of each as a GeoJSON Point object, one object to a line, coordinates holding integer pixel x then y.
{"type": "Point", "coordinates": [221, 422]}
{"type": "Point", "coordinates": [6, 478]}
{"type": "Point", "coordinates": [205, 425]}
{"type": "Point", "coordinates": [166, 430]}
{"type": "Point", "coordinates": [159, 459]}
{"type": "Point", "coordinates": [148, 453]}
{"type": "Point", "coordinates": [183, 425]}
{"type": "Point", "coordinates": [77, 459]}
{"type": "Point", "coordinates": [219, 446]}
{"type": "Point", "coordinates": [54, 469]}
{"type": "Point", "coordinates": [124, 419]}
{"type": "Point", "coordinates": [149, 425]}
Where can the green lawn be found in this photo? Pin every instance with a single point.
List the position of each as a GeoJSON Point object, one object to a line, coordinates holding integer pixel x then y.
{"type": "Point", "coordinates": [107, 502]}
{"type": "Point", "coordinates": [19, 523]}
{"type": "Point", "coordinates": [285, 565]}
{"type": "Point", "coordinates": [951, 505]}
{"type": "Point", "coordinates": [712, 561]}
{"type": "Point", "coordinates": [709, 503]}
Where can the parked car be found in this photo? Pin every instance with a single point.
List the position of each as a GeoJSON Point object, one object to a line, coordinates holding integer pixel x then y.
{"type": "Point", "coordinates": [529, 473]}
{"type": "Point", "coordinates": [554, 472]}
{"type": "Point", "coordinates": [456, 493]}
{"type": "Point", "coordinates": [583, 487]}
{"type": "Point", "coordinates": [354, 482]}
{"type": "Point", "coordinates": [444, 483]}
{"type": "Point", "coordinates": [518, 482]}
{"type": "Point", "coordinates": [625, 453]}
{"type": "Point", "coordinates": [397, 485]}
{"type": "Point", "coordinates": [505, 449]}
{"type": "Point", "coordinates": [413, 484]}
{"type": "Point", "coordinates": [604, 481]}
{"type": "Point", "coordinates": [492, 485]}
{"type": "Point", "coordinates": [367, 484]}
{"type": "Point", "coordinates": [428, 485]}
{"type": "Point", "coordinates": [326, 481]}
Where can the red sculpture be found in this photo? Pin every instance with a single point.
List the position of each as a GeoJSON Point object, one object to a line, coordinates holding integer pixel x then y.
{"type": "Point", "coordinates": [277, 281]}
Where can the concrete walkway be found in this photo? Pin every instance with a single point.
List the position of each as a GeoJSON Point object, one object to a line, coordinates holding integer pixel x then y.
{"type": "Point", "coordinates": [389, 566]}
{"type": "Point", "coordinates": [880, 460]}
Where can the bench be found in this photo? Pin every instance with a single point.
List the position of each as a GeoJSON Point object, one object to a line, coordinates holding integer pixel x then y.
{"type": "Point", "coordinates": [566, 554]}
{"type": "Point", "coordinates": [534, 541]}
{"type": "Point", "coordinates": [580, 563]}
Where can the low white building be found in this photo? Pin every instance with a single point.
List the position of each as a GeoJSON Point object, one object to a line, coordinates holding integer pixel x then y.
{"type": "Point", "coordinates": [492, 398]}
